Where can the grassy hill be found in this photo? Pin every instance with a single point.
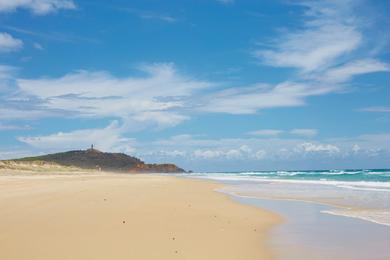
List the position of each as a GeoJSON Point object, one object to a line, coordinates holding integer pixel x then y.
{"type": "Point", "coordinates": [95, 159]}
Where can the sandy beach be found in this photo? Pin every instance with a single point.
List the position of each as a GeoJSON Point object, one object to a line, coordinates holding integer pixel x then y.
{"type": "Point", "coordinates": [118, 216]}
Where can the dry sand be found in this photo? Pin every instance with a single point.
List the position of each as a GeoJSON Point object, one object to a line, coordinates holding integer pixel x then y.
{"type": "Point", "coordinates": [116, 216]}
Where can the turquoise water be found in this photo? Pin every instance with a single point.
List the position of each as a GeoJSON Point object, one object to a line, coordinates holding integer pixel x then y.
{"type": "Point", "coordinates": [354, 175]}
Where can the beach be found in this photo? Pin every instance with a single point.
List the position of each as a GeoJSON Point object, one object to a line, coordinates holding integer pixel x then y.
{"type": "Point", "coordinates": [126, 216]}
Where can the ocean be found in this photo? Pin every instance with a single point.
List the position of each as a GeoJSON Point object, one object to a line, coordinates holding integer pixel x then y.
{"type": "Point", "coordinates": [357, 193]}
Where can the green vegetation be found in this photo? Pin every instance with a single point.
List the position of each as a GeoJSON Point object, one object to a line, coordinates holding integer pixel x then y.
{"type": "Point", "coordinates": [95, 159]}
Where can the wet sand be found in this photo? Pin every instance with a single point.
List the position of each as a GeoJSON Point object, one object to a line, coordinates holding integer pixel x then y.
{"type": "Point", "coordinates": [111, 216]}
{"type": "Point", "coordinates": [308, 233]}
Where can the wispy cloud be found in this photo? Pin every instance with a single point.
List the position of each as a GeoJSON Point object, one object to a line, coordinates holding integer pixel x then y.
{"type": "Point", "coordinates": [226, 2]}
{"type": "Point", "coordinates": [7, 127]}
{"type": "Point", "coordinates": [22, 112]}
{"type": "Point", "coordinates": [155, 98]}
{"type": "Point", "coordinates": [250, 100]}
{"type": "Point", "coordinates": [329, 31]}
{"type": "Point", "coordinates": [305, 132]}
{"type": "Point", "coordinates": [313, 49]}
{"type": "Point", "coordinates": [148, 14]}
{"type": "Point", "coordinates": [109, 139]}
{"type": "Point", "coordinates": [376, 109]}
{"type": "Point", "coordinates": [52, 36]}
{"type": "Point", "coordinates": [301, 132]}
{"type": "Point", "coordinates": [266, 132]}
{"type": "Point", "coordinates": [38, 46]}
{"type": "Point", "coordinates": [9, 43]}
{"type": "Point", "coordinates": [349, 70]}
{"type": "Point", "coordinates": [329, 47]}
{"type": "Point", "coordinates": [38, 7]}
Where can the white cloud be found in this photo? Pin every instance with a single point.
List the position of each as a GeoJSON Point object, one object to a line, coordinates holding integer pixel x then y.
{"type": "Point", "coordinates": [9, 43]}
{"type": "Point", "coordinates": [242, 152]}
{"type": "Point", "coordinates": [39, 7]}
{"type": "Point", "coordinates": [313, 48]}
{"type": "Point", "coordinates": [332, 33]}
{"type": "Point", "coordinates": [6, 72]}
{"type": "Point", "coordinates": [5, 127]}
{"type": "Point", "coordinates": [355, 148]}
{"type": "Point", "coordinates": [162, 17]}
{"type": "Point", "coordinates": [37, 46]}
{"type": "Point", "coordinates": [26, 113]}
{"type": "Point", "coordinates": [260, 154]}
{"type": "Point", "coordinates": [313, 148]}
{"type": "Point", "coordinates": [329, 32]}
{"type": "Point", "coordinates": [250, 100]}
{"type": "Point", "coordinates": [207, 154]}
{"type": "Point", "coordinates": [152, 15]}
{"type": "Point", "coordinates": [163, 119]}
{"type": "Point", "coordinates": [376, 109]}
{"type": "Point", "coordinates": [56, 36]}
{"type": "Point", "coordinates": [347, 71]}
{"type": "Point", "coordinates": [266, 132]}
{"type": "Point", "coordinates": [366, 145]}
{"type": "Point", "coordinates": [306, 132]}
{"type": "Point", "coordinates": [226, 1]}
{"type": "Point", "coordinates": [369, 141]}
{"type": "Point", "coordinates": [107, 139]}
{"type": "Point", "coordinates": [154, 98]}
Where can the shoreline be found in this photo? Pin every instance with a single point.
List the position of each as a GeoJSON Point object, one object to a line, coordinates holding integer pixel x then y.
{"type": "Point", "coordinates": [138, 216]}
{"type": "Point", "coordinates": [310, 232]}
{"type": "Point", "coordinates": [331, 206]}
{"type": "Point", "coordinates": [346, 202]}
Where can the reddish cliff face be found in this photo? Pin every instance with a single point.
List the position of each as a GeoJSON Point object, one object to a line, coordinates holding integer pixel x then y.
{"type": "Point", "coordinates": [158, 168]}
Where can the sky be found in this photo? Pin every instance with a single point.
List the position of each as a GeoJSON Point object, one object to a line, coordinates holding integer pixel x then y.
{"type": "Point", "coordinates": [216, 85]}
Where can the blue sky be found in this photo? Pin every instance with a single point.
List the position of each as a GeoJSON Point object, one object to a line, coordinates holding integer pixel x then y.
{"type": "Point", "coordinates": [209, 85]}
